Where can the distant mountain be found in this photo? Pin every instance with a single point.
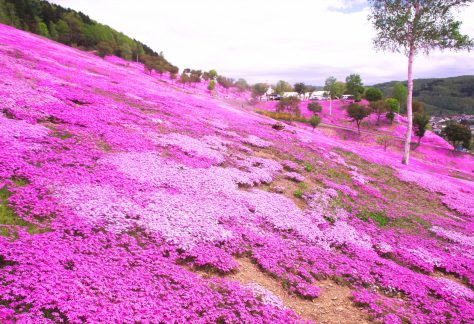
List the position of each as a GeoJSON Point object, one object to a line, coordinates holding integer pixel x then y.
{"type": "Point", "coordinates": [443, 96]}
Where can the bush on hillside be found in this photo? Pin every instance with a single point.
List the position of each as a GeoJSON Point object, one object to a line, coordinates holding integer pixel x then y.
{"type": "Point", "coordinates": [289, 104]}
{"type": "Point", "coordinates": [315, 107]}
{"type": "Point", "coordinates": [357, 113]}
{"type": "Point", "coordinates": [458, 134]}
{"type": "Point", "coordinates": [315, 121]}
{"type": "Point", "coordinates": [421, 122]}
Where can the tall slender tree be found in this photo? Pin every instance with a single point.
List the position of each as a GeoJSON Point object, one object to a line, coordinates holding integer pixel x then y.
{"type": "Point", "coordinates": [416, 26]}
{"type": "Point", "coordinates": [355, 86]}
{"type": "Point", "coordinates": [334, 89]}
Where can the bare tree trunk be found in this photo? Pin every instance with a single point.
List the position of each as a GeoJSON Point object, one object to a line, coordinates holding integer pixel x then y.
{"type": "Point", "coordinates": [406, 154]}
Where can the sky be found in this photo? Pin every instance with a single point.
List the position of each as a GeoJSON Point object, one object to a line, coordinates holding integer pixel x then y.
{"type": "Point", "coordinates": [270, 40]}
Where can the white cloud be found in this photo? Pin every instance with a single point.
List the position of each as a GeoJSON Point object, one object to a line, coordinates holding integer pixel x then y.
{"type": "Point", "coordinates": [303, 40]}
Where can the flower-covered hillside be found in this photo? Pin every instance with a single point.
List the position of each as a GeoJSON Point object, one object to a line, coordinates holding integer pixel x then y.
{"type": "Point", "coordinates": [127, 198]}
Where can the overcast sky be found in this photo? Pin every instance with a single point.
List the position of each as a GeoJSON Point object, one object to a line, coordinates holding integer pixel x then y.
{"type": "Point", "coordinates": [268, 40]}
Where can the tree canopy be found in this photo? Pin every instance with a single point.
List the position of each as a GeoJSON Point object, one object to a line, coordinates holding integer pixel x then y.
{"type": "Point", "coordinates": [358, 113]}
{"type": "Point", "coordinates": [289, 104]}
{"type": "Point", "coordinates": [373, 94]}
{"type": "Point", "coordinates": [300, 87]}
{"type": "Point", "coordinates": [400, 92]}
{"type": "Point", "coordinates": [335, 88]}
{"type": "Point", "coordinates": [77, 29]}
{"type": "Point", "coordinates": [354, 86]}
{"type": "Point", "coordinates": [458, 134]}
{"type": "Point", "coordinates": [259, 89]}
{"type": "Point", "coordinates": [415, 26]}
{"type": "Point", "coordinates": [315, 121]}
{"type": "Point", "coordinates": [242, 85]}
{"type": "Point", "coordinates": [314, 107]}
{"type": "Point", "coordinates": [379, 107]}
{"type": "Point", "coordinates": [282, 87]}
{"type": "Point", "coordinates": [393, 108]}
{"type": "Point", "coordinates": [421, 122]}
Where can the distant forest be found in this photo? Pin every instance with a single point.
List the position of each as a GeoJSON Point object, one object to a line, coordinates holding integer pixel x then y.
{"type": "Point", "coordinates": [78, 30]}
{"type": "Point", "coordinates": [445, 96]}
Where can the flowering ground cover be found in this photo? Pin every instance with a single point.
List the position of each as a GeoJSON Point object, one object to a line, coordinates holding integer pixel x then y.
{"type": "Point", "coordinates": [119, 189]}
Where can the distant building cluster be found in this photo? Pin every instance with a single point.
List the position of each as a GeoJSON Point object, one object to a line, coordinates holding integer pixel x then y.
{"type": "Point", "coordinates": [439, 123]}
{"type": "Point", "coordinates": [314, 95]}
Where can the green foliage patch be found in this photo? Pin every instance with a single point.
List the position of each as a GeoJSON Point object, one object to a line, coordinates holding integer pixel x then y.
{"type": "Point", "coordinates": [379, 217]}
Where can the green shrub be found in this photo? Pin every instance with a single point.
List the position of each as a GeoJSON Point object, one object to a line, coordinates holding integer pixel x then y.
{"type": "Point", "coordinates": [8, 216]}
{"type": "Point", "coordinates": [314, 121]}
{"type": "Point", "coordinates": [315, 107]}
{"type": "Point", "coordinates": [379, 217]}
{"type": "Point", "coordinates": [298, 193]}
{"type": "Point", "coordinates": [212, 85]}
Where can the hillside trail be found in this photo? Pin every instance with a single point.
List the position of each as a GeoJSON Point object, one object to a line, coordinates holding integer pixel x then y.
{"type": "Point", "coordinates": [333, 306]}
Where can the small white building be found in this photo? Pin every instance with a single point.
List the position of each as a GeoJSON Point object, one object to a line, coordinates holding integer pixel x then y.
{"type": "Point", "coordinates": [267, 94]}
{"type": "Point", "coordinates": [290, 94]}
{"type": "Point", "coordinates": [319, 95]}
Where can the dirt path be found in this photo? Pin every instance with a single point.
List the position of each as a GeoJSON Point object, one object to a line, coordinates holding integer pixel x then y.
{"type": "Point", "coordinates": [332, 306]}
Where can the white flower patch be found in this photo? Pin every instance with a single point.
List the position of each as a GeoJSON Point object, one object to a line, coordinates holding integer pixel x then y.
{"type": "Point", "coordinates": [207, 147]}
{"type": "Point", "coordinates": [257, 141]}
{"type": "Point", "coordinates": [265, 295]}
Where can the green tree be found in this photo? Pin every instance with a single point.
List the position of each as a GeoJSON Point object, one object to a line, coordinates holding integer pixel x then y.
{"type": "Point", "coordinates": [282, 87]}
{"type": "Point", "coordinates": [400, 92]}
{"type": "Point", "coordinates": [315, 121]}
{"type": "Point", "coordinates": [76, 28]}
{"type": "Point", "coordinates": [63, 32]}
{"type": "Point", "coordinates": [355, 86]}
{"type": "Point", "coordinates": [41, 28]}
{"type": "Point", "coordinates": [379, 107]}
{"type": "Point", "coordinates": [384, 140]}
{"type": "Point", "coordinates": [417, 26]}
{"type": "Point", "coordinates": [289, 104]}
{"type": "Point", "coordinates": [195, 76]}
{"type": "Point", "coordinates": [310, 89]}
{"type": "Point", "coordinates": [390, 115]}
{"type": "Point", "coordinates": [357, 113]}
{"type": "Point", "coordinates": [226, 83]}
{"type": "Point", "coordinates": [242, 85]}
{"type": "Point", "coordinates": [4, 14]}
{"type": "Point", "coordinates": [300, 88]}
{"type": "Point", "coordinates": [212, 74]}
{"type": "Point", "coordinates": [184, 78]}
{"type": "Point", "coordinates": [259, 89]}
{"type": "Point", "coordinates": [157, 64]}
{"type": "Point", "coordinates": [125, 51]}
{"type": "Point", "coordinates": [421, 122]}
{"type": "Point", "coordinates": [8, 14]}
{"type": "Point", "coordinates": [53, 33]}
{"type": "Point", "coordinates": [373, 94]}
{"type": "Point", "coordinates": [394, 108]}
{"type": "Point", "coordinates": [314, 107]}
{"type": "Point", "coordinates": [457, 133]}
{"type": "Point", "coordinates": [138, 52]}
{"type": "Point", "coordinates": [335, 90]}
{"type": "Point", "coordinates": [212, 85]}
{"type": "Point", "coordinates": [340, 88]}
